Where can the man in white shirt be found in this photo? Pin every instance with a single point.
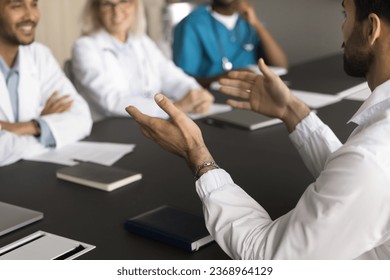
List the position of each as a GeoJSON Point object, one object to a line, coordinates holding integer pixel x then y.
{"type": "Point", "coordinates": [39, 107]}
{"type": "Point", "coordinates": [345, 213]}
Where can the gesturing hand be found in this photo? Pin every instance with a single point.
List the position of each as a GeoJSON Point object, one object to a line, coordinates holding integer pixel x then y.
{"type": "Point", "coordinates": [266, 94]}
{"type": "Point", "coordinates": [57, 105]}
{"type": "Point", "coordinates": [179, 135]}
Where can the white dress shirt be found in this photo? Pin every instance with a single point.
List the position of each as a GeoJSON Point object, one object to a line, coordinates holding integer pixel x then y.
{"type": "Point", "coordinates": [344, 214]}
{"type": "Point", "coordinates": [112, 75]}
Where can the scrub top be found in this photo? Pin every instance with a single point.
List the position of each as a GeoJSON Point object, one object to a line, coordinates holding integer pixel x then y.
{"type": "Point", "coordinates": [201, 42]}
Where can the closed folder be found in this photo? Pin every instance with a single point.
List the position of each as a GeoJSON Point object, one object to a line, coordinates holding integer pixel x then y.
{"type": "Point", "coordinates": [106, 178]}
{"type": "Point", "coordinates": [244, 119]}
{"type": "Point", "coordinates": [172, 226]}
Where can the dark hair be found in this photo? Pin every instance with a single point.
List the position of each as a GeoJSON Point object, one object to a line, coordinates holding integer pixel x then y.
{"type": "Point", "coordinates": [378, 7]}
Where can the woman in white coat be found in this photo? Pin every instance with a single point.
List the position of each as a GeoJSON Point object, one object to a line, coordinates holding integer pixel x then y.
{"type": "Point", "coordinates": [115, 64]}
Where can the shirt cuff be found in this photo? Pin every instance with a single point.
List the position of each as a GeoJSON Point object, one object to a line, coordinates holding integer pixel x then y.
{"type": "Point", "coordinates": [305, 129]}
{"type": "Point", "coordinates": [211, 181]}
{"type": "Point", "coordinates": [46, 138]}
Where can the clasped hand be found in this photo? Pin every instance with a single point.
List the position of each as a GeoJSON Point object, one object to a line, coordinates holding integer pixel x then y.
{"type": "Point", "coordinates": [53, 105]}
{"type": "Point", "coordinates": [196, 101]}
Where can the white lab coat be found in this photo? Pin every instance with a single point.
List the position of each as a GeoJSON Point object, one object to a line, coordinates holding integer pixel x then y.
{"type": "Point", "coordinates": [40, 76]}
{"type": "Point", "coordinates": [112, 75]}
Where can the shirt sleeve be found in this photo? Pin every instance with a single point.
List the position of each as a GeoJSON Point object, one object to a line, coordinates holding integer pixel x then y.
{"type": "Point", "coordinates": [187, 48]}
{"type": "Point", "coordinates": [47, 138]}
{"type": "Point", "coordinates": [92, 80]}
{"type": "Point", "coordinates": [74, 124]}
{"type": "Point", "coordinates": [315, 142]}
{"type": "Point", "coordinates": [343, 208]}
{"type": "Point", "coordinates": [175, 82]}
{"type": "Point", "coordinates": [15, 147]}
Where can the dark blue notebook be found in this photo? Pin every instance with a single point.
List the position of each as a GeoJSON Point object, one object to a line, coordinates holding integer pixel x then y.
{"type": "Point", "coordinates": [172, 226]}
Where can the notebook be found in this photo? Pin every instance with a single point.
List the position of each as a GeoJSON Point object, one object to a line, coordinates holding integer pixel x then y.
{"type": "Point", "coordinates": [172, 226]}
{"type": "Point", "coordinates": [106, 178]}
{"type": "Point", "coordinates": [243, 119]}
{"type": "Point", "coordinates": [13, 217]}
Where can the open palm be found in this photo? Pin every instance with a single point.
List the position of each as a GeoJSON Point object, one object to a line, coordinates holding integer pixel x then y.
{"type": "Point", "coordinates": [266, 94]}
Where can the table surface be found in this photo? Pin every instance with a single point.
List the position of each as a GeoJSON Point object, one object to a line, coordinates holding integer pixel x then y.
{"type": "Point", "coordinates": [263, 162]}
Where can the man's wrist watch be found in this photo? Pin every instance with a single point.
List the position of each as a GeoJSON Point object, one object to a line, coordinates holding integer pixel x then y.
{"type": "Point", "coordinates": [37, 128]}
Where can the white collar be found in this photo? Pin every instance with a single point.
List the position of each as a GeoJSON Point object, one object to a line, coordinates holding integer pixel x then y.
{"type": "Point", "coordinates": [228, 21]}
{"type": "Point", "coordinates": [376, 103]}
{"type": "Point", "coordinates": [111, 43]}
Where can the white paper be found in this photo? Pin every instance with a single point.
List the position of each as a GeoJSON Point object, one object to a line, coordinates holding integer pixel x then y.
{"type": "Point", "coordinates": [316, 100]}
{"type": "Point", "coordinates": [214, 109]}
{"type": "Point", "coordinates": [277, 70]}
{"type": "Point", "coordinates": [360, 94]}
{"type": "Point", "coordinates": [96, 152]}
{"type": "Point", "coordinates": [353, 90]}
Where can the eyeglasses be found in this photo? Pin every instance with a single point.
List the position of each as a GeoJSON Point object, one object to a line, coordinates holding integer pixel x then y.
{"type": "Point", "coordinates": [107, 6]}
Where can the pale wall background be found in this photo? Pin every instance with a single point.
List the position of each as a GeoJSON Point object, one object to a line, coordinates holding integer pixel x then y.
{"type": "Point", "coordinates": [59, 26]}
{"type": "Point", "coordinates": [307, 29]}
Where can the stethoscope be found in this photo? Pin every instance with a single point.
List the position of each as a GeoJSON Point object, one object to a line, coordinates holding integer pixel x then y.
{"type": "Point", "coordinates": [227, 65]}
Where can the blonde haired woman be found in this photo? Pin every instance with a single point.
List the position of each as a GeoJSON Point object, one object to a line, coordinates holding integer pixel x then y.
{"type": "Point", "coordinates": [115, 64]}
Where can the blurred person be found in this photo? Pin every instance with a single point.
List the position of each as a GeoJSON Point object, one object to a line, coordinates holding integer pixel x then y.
{"type": "Point", "coordinates": [39, 106]}
{"type": "Point", "coordinates": [223, 36]}
{"type": "Point", "coordinates": [115, 64]}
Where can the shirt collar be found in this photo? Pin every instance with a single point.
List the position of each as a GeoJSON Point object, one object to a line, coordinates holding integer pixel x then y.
{"type": "Point", "coordinates": [112, 44]}
{"type": "Point", "coordinates": [376, 103]}
{"type": "Point", "coordinates": [6, 70]}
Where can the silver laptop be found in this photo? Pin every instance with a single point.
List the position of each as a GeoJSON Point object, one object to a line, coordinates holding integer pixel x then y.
{"type": "Point", "coordinates": [13, 217]}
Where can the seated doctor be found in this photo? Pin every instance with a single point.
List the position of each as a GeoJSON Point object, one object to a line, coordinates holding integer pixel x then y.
{"type": "Point", "coordinates": [39, 107]}
{"type": "Point", "coordinates": [226, 35]}
{"type": "Point", "coordinates": [116, 64]}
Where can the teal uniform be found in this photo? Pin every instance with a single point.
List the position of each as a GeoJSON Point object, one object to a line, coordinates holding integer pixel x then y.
{"type": "Point", "coordinates": [201, 42]}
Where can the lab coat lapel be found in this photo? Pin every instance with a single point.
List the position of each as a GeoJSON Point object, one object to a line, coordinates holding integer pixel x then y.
{"type": "Point", "coordinates": [103, 40]}
{"type": "Point", "coordinates": [6, 112]}
{"type": "Point", "coordinates": [29, 89]}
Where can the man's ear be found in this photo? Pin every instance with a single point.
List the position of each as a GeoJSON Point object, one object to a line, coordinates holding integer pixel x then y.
{"type": "Point", "coordinates": [374, 28]}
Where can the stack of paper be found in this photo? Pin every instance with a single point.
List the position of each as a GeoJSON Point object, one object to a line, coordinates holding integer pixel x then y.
{"type": "Point", "coordinates": [316, 100]}
{"type": "Point", "coordinates": [96, 152]}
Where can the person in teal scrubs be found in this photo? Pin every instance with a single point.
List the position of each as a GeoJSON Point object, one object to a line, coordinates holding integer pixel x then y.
{"type": "Point", "coordinates": [224, 36]}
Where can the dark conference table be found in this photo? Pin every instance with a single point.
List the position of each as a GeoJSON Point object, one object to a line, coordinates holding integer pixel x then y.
{"type": "Point", "coordinates": [263, 162]}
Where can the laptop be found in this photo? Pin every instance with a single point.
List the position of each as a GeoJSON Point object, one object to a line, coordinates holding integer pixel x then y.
{"type": "Point", "coordinates": [13, 217]}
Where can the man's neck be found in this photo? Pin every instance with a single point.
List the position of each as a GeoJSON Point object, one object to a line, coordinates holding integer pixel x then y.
{"type": "Point", "coordinates": [379, 72]}
{"type": "Point", "coordinates": [8, 53]}
{"type": "Point", "coordinates": [225, 10]}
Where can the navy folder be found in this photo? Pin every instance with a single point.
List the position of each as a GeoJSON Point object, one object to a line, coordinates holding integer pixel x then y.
{"type": "Point", "coordinates": [171, 226]}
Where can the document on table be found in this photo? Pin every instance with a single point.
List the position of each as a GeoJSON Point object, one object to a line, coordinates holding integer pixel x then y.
{"type": "Point", "coordinates": [97, 152]}
{"type": "Point", "coordinates": [360, 93]}
{"type": "Point", "coordinates": [214, 109]}
{"type": "Point", "coordinates": [316, 100]}
{"type": "Point", "coordinates": [360, 90]}
{"type": "Point", "coordinates": [280, 71]}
